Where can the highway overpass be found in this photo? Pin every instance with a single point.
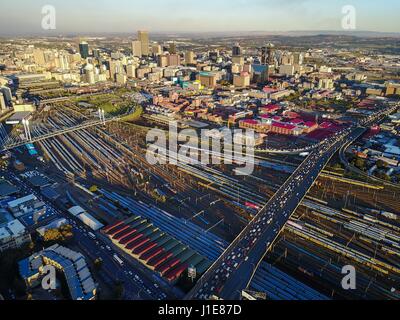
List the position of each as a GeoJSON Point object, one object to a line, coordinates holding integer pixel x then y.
{"type": "Point", "coordinates": [233, 271]}
{"type": "Point", "coordinates": [235, 268]}
{"type": "Point", "coordinates": [85, 125]}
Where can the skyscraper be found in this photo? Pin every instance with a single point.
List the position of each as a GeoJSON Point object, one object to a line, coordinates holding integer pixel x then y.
{"type": "Point", "coordinates": [143, 37]}
{"type": "Point", "coordinates": [236, 50]}
{"type": "Point", "coordinates": [190, 57]}
{"type": "Point", "coordinates": [84, 49]}
{"type": "Point", "coordinates": [38, 56]}
{"type": "Point", "coordinates": [7, 95]}
{"type": "Point", "coordinates": [268, 54]}
{"type": "Point", "coordinates": [2, 102]}
{"type": "Point", "coordinates": [137, 48]}
{"type": "Point", "coordinates": [172, 48]}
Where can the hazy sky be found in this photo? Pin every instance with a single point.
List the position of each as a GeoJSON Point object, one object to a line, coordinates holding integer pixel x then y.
{"type": "Point", "coordinates": [24, 16]}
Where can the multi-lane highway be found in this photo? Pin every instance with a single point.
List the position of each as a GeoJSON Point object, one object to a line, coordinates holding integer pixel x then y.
{"type": "Point", "coordinates": [233, 271]}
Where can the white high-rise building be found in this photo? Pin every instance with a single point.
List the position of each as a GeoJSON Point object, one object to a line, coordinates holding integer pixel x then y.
{"type": "Point", "coordinates": [137, 48]}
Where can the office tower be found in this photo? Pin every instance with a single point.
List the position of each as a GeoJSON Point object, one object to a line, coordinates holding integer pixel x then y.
{"type": "Point", "coordinates": [236, 50]}
{"type": "Point", "coordinates": [89, 73]}
{"type": "Point", "coordinates": [62, 62]}
{"type": "Point", "coordinates": [174, 60]}
{"type": "Point", "coordinates": [213, 55]}
{"type": "Point", "coordinates": [207, 80]}
{"type": "Point", "coordinates": [143, 37]}
{"type": "Point", "coordinates": [115, 68]}
{"type": "Point", "coordinates": [84, 49]}
{"type": "Point", "coordinates": [287, 58]}
{"type": "Point", "coordinates": [286, 69]}
{"type": "Point", "coordinates": [6, 91]}
{"type": "Point", "coordinates": [247, 68]}
{"type": "Point", "coordinates": [298, 58]}
{"type": "Point", "coordinates": [162, 61]}
{"type": "Point", "coordinates": [131, 71]}
{"type": "Point", "coordinates": [268, 54]}
{"type": "Point", "coordinates": [238, 60]}
{"type": "Point", "coordinates": [121, 78]}
{"type": "Point", "coordinates": [2, 102]}
{"type": "Point", "coordinates": [137, 48]}
{"type": "Point", "coordinates": [96, 53]}
{"type": "Point", "coordinates": [242, 80]}
{"type": "Point", "coordinates": [156, 49]}
{"type": "Point", "coordinates": [172, 48]}
{"type": "Point", "coordinates": [38, 57]}
{"type": "Point", "coordinates": [190, 57]}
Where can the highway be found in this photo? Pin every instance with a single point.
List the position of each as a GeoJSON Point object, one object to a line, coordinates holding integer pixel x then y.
{"type": "Point", "coordinates": [235, 268]}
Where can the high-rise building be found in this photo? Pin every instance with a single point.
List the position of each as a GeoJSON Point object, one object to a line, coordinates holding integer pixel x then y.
{"type": "Point", "coordinates": [174, 60]}
{"type": "Point", "coordinates": [38, 57]}
{"type": "Point", "coordinates": [242, 80]}
{"type": "Point", "coordinates": [121, 78]}
{"type": "Point", "coordinates": [156, 49]}
{"type": "Point", "coordinates": [298, 58]}
{"type": "Point", "coordinates": [84, 49]}
{"type": "Point", "coordinates": [213, 55]}
{"type": "Point", "coordinates": [236, 50]}
{"type": "Point", "coordinates": [208, 80]}
{"type": "Point", "coordinates": [62, 62]}
{"type": "Point", "coordinates": [6, 91]}
{"type": "Point", "coordinates": [190, 57]}
{"type": "Point", "coordinates": [162, 61]}
{"type": "Point", "coordinates": [131, 71]}
{"type": "Point", "coordinates": [143, 37]}
{"type": "Point", "coordinates": [89, 74]}
{"type": "Point", "coordinates": [2, 102]}
{"type": "Point", "coordinates": [96, 53]}
{"type": "Point", "coordinates": [137, 48]}
{"type": "Point", "coordinates": [268, 54]}
{"type": "Point", "coordinates": [172, 48]}
{"type": "Point", "coordinates": [238, 60]}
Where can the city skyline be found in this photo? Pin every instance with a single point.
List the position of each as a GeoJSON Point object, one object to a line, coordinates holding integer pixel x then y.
{"type": "Point", "coordinates": [24, 17]}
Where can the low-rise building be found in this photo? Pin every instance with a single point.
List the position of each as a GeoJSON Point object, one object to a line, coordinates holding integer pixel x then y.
{"type": "Point", "coordinates": [73, 264]}
{"type": "Point", "coordinates": [13, 234]}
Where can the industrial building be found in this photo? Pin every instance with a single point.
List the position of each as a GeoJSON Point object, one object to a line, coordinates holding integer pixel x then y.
{"type": "Point", "coordinates": [86, 218]}
{"type": "Point", "coordinates": [160, 241]}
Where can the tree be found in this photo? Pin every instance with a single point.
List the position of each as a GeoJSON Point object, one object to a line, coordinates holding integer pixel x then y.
{"type": "Point", "coordinates": [360, 163]}
{"type": "Point", "coordinates": [118, 290]}
{"type": "Point", "coordinates": [381, 164]}
{"type": "Point", "coordinates": [98, 264]}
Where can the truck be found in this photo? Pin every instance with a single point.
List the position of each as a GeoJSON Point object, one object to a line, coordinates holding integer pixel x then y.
{"type": "Point", "coordinates": [118, 259]}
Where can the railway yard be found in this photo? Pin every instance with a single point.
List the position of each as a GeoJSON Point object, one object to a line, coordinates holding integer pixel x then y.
{"type": "Point", "coordinates": [342, 221]}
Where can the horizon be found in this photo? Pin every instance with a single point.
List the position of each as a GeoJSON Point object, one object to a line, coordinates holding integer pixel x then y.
{"type": "Point", "coordinates": [177, 16]}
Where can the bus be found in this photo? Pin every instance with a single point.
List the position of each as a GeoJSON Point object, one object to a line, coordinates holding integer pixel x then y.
{"type": "Point", "coordinates": [118, 259]}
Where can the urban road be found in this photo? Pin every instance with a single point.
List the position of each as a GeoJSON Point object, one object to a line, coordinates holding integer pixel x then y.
{"type": "Point", "coordinates": [235, 268]}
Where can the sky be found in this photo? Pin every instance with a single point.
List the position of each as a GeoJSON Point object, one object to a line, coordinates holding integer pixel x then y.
{"type": "Point", "coordinates": [115, 16]}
